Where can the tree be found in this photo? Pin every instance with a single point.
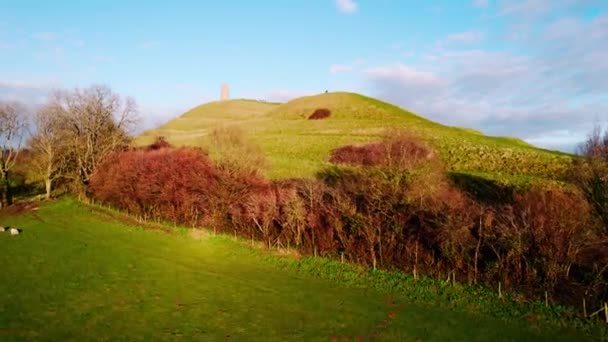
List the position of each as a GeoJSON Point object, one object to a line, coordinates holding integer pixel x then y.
{"type": "Point", "coordinates": [235, 153]}
{"type": "Point", "coordinates": [589, 171]}
{"type": "Point", "coordinates": [12, 128]}
{"type": "Point", "coordinates": [49, 143]}
{"type": "Point", "coordinates": [97, 122]}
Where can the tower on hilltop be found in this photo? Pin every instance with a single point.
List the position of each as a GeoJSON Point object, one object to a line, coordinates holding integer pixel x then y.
{"type": "Point", "coordinates": [225, 92]}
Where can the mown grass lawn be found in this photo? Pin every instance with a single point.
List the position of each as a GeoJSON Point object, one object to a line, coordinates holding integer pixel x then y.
{"type": "Point", "coordinates": [77, 273]}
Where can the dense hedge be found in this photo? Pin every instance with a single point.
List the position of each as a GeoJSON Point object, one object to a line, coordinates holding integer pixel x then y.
{"type": "Point", "coordinates": [391, 207]}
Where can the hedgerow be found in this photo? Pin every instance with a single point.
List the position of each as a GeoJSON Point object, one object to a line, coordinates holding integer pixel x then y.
{"type": "Point", "coordinates": [388, 205]}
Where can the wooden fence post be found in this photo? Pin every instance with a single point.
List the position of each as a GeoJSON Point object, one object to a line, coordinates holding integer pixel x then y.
{"type": "Point", "coordinates": [584, 308]}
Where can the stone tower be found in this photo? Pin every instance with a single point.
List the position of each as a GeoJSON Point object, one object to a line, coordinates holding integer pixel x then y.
{"type": "Point", "coordinates": [225, 92]}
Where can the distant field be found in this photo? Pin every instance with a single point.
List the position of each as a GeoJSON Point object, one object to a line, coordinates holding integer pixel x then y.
{"type": "Point", "coordinates": [297, 147]}
{"type": "Point", "coordinates": [79, 273]}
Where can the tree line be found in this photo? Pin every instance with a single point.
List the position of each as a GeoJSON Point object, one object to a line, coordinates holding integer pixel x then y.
{"type": "Point", "coordinates": [63, 141]}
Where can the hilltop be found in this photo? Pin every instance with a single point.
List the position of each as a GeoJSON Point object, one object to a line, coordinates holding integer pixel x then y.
{"type": "Point", "coordinates": [298, 147]}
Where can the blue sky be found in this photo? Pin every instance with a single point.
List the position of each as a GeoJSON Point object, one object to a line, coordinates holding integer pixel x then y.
{"type": "Point", "coordinates": [535, 69]}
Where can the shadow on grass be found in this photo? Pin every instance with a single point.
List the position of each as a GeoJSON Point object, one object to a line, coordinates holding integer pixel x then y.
{"type": "Point", "coordinates": [482, 189]}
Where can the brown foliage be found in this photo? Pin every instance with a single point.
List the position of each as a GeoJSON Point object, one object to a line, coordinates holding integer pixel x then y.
{"type": "Point", "coordinates": [159, 142]}
{"type": "Point", "coordinates": [395, 151]}
{"type": "Point", "coordinates": [172, 184]}
{"type": "Point", "coordinates": [539, 238]}
{"type": "Point", "coordinates": [590, 172]}
{"type": "Point", "coordinates": [234, 153]}
{"type": "Point", "coordinates": [320, 114]}
{"type": "Point", "coordinates": [95, 123]}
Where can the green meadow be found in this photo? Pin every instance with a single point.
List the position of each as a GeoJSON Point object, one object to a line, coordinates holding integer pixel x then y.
{"type": "Point", "coordinates": [297, 147]}
{"type": "Point", "coordinates": [79, 272]}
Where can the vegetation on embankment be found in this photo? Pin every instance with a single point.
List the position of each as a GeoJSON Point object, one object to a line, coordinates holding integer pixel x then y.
{"type": "Point", "coordinates": [388, 205]}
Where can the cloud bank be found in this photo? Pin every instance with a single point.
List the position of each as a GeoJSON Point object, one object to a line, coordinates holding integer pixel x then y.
{"type": "Point", "coordinates": [550, 96]}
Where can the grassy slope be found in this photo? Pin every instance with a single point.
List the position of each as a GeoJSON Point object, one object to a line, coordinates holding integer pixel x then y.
{"type": "Point", "coordinates": [76, 273]}
{"type": "Point", "coordinates": [298, 147]}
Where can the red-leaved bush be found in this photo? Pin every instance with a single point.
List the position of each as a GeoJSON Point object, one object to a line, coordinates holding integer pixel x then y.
{"type": "Point", "coordinates": [319, 114]}
{"type": "Point", "coordinates": [172, 184]}
{"type": "Point", "coordinates": [401, 151]}
{"type": "Point", "coordinates": [159, 142]}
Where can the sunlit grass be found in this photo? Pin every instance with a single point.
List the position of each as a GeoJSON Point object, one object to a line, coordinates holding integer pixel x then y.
{"type": "Point", "coordinates": [81, 273]}
{"type": "Point", "coordinates": [297, 147]}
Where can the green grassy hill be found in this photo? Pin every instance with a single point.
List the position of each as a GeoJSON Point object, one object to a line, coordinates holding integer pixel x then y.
{"type": "Point", "coordinates": [82, 273]}
{"type": "Point", "coordinates": [297, 147]}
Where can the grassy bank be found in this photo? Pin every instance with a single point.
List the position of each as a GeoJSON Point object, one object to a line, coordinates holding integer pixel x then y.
{"type": "Point", "coordinates": [77, 272]}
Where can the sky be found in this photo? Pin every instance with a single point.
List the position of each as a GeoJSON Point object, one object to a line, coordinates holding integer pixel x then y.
{"type": "Point", "coordinates": [533, 69]}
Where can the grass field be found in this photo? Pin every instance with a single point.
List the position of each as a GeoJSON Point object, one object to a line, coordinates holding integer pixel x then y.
{"type": "Point", "coordinates": [297, 147]}
{"type": "Point", "coordinates": [79, 273]}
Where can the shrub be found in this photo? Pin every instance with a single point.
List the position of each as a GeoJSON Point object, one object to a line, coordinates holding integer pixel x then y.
{"type": "Point", "coordinates": [590, 172]}
{"type": "Point", "coordinates": [539, 239]}
{"type": "Point", "coordinates": [394, 151]}
{"type": "Point", "coordinates": [397, 214]}
{"type": "Point", "coordinates": [159, 142]}
{"type": "Point", "coordinates": [320, 114]}
{"type": "Point", "coordinates": [172, 184]}
{"type": "Point", "coordinates": [234, 153]}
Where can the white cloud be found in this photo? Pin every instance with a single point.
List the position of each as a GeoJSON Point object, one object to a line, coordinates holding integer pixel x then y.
{"type": "Point", "coordinates": [404, 75]}
{"type": "Point", "coordinates": [561, 139]}
{"type": "Point", "coordinates": [525, 16]}
{"type": "Point", "coordinates": [347, 6]}
{"type": "Point", "coordinates": [335, 69]}
{"type": "Point", "coordinates": [31, 94]}
{"type": "Point", "coordinates": [550, 96]}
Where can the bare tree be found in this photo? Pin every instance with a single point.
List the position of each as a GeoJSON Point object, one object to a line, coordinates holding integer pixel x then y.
{"type": "Point", "coordinates": [97, 122]}
{"type": "Point", "coordinates": [12, 128]}
{"type": "Point", "coordinates": [590, 171]}
{"type": "Point", "coordinates": [49, 143]}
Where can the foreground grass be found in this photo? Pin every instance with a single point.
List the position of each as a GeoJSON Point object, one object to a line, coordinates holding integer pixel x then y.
{"type": "Point", "coordinates": [78, 273]}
